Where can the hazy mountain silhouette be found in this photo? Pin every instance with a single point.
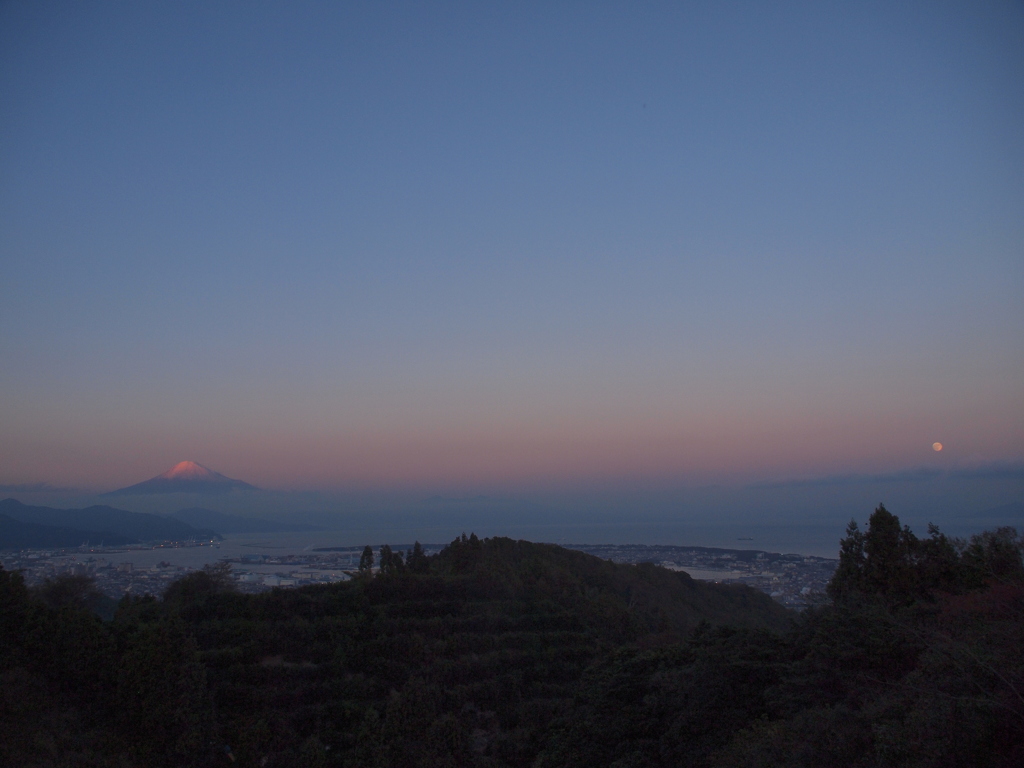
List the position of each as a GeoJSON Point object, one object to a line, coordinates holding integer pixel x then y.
{"type": "Point", "coordinates": [17, 534]}
{"type": "Point", "coordinates": [105, 521]}
{"type": "Point", "coordinates": [185, 477]}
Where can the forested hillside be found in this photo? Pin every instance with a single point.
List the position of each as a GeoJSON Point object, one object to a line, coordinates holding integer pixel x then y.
{"type": "Point", "coordinates": [505, 653]}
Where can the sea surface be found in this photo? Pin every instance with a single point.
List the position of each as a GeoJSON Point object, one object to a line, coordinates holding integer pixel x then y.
{"type": "Point", "coordinates": [823, 541]}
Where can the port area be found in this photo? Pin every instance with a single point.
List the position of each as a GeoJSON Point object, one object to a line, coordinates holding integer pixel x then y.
{"type": "Point", "coordinates": [116, 571]}
{"type": "Point", "coordinates": [256, 566]}
{"type": "Point", "coordinates": [796, 581]}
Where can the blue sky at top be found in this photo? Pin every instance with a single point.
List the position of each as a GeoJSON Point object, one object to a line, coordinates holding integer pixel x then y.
{"type": "Point", "coordinates": [332, 244]}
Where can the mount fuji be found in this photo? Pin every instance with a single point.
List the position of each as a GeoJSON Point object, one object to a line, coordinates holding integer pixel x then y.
{"type": "Point", "coordinates": [185, 477]}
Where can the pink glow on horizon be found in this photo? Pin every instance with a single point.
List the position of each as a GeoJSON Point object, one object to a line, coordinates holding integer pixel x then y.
{"type": "Point", "coordinates": [749, 446]}
{"type": "Point", "coordinates": [519, 461]}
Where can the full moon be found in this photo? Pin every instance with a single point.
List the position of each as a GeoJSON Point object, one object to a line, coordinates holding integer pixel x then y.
{"type": "Point", "coordinates": [936, 446]}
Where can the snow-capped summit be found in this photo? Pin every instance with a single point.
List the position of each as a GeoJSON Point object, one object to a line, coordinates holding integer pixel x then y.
{"type": "Point", "coordinates": [185, 477]}
{"type": "Point", "coordinates": [190, 470]}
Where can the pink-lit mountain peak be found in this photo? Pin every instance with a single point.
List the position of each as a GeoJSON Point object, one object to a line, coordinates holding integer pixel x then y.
{"type": "Point", "coordinates": [190, 470]}
{"type": "Point", "coordinates": [186, 477]}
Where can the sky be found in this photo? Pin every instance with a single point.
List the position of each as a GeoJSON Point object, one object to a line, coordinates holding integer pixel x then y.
{"type": "Point", "coordinates": [522, 247]}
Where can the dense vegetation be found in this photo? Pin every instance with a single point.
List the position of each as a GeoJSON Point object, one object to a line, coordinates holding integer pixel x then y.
{"type": "Point", "coordinates": [504, 653]}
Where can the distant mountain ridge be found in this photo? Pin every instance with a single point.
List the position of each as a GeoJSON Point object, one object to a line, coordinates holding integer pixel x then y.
{"type": "Point", "coordinates": [97, 523]}
{"type": "Point", "coordinates": [17, 534]}
{"type": "Point", "coordinates": [185, 477]}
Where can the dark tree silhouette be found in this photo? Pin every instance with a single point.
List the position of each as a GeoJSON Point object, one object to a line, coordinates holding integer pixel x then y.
{"type": "Point", "coordinates": [881, 562]}
{"type": "Point", "coordinates": [366, 560]}
{"type": "Point", "coordinates": [416, 559]}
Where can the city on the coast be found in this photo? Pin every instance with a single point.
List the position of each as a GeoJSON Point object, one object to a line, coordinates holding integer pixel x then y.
{"type": "Point", "coordinates": [796, 581]}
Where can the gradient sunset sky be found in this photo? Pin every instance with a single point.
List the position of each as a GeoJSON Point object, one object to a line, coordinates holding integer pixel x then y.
{"type": "Point", "coordinates": [509, 245]}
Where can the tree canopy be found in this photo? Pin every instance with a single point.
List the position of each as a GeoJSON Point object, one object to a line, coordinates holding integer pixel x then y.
{"type": "Point", "coordinates": [497, 652]}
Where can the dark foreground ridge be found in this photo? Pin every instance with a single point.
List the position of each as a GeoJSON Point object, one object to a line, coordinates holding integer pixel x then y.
{"type": "Point", "coordinates": [796, 581]}
{"type": "Point", "coordinates": [506, 653]}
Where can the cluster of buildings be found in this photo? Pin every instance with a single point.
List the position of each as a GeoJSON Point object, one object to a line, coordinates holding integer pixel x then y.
{"type": "Point", "coordinates": [112, 576]}
{"type": "Point", "coordinates": [115, 575]}
{"type": "Point", "coordinates": [258, 571]}
{"type": "Point", "coordinates": [794, 580]}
